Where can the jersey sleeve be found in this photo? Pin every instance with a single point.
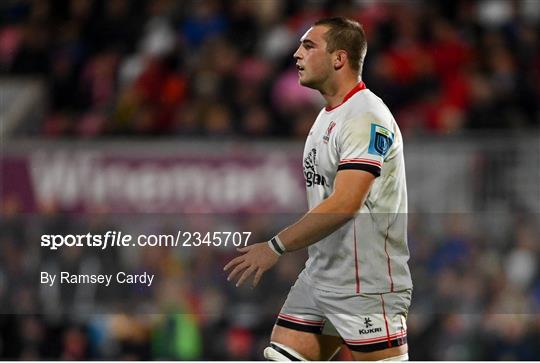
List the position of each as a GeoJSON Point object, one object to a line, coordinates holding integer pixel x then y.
{"type": "Point", "coordinates": [363, 144]}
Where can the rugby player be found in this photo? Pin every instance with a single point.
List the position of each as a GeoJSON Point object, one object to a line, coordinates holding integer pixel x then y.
{"type": "Point", "coordinates": [356, 285]}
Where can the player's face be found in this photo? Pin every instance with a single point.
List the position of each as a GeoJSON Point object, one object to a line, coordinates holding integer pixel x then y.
{"type": "Point", "coordinates": [312, 60]}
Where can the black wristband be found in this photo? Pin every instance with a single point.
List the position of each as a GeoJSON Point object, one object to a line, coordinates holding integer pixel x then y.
{"type": "Point", "coordinates": [276, 246]}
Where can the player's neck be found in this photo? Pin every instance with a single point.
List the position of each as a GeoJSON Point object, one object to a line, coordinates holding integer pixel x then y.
{"type": "Point", "coordinates": [335, 92]}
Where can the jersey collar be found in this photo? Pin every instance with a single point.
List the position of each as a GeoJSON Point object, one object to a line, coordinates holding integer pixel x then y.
{"type": "Point", "coordinates": [360, 86]}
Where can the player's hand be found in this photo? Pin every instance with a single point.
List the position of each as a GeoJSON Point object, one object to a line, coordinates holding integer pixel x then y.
{"type": "Point", "coordinates": [255, 259]}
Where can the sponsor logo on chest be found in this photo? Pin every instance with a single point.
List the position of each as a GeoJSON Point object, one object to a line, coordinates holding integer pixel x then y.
{"type": "Point", "coordinates": [310, 170]}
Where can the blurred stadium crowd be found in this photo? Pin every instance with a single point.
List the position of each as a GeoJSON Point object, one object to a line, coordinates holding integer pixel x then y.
{"type": "Point", "coordinates": [217, 69]}
{"type": "Point", "coordinates": [225, 68]}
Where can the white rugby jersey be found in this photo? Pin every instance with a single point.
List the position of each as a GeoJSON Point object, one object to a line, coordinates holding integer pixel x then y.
{"type": "Point", "coordinates": [368, 254]}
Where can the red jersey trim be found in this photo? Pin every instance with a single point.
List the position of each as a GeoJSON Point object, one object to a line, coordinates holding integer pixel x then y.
{"type": "Point", "coordinates": [299, 320]}
{"type": "Point", "coordinates": [376, 340]}
{"type": "Point", "coordinates": [360, 86]}
{"type": "Point", "coordinates": [357, 275]}
{"type": "Point", "coordinates": [388, 259]}
{"type": "Point", "coordinates": [386, 323]}
{"type": "Point", "coordinates": [360, 161]}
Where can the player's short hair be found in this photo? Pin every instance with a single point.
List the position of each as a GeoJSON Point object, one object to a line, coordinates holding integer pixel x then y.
{"type": "Point", "coordinates": [348, 35]}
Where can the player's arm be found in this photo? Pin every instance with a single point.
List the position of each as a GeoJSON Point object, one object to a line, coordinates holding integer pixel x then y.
{"type": "Point", "coordinates": [351, 188]}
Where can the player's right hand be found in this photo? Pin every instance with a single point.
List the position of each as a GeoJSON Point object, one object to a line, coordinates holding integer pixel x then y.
{"type": "Point", "coordinates": [255, 259]}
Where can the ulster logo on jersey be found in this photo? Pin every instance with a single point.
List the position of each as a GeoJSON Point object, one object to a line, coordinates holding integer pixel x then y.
{"type": "Point", "coordinates": [310, 172]}
{"type": "Point", "coordinates": [380, 141]}
{"type": "Point", "coordinates": [326, 136]}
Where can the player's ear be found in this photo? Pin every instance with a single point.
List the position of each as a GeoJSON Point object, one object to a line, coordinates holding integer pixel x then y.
{"type": "Point", "coordinates": [340, 58]}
